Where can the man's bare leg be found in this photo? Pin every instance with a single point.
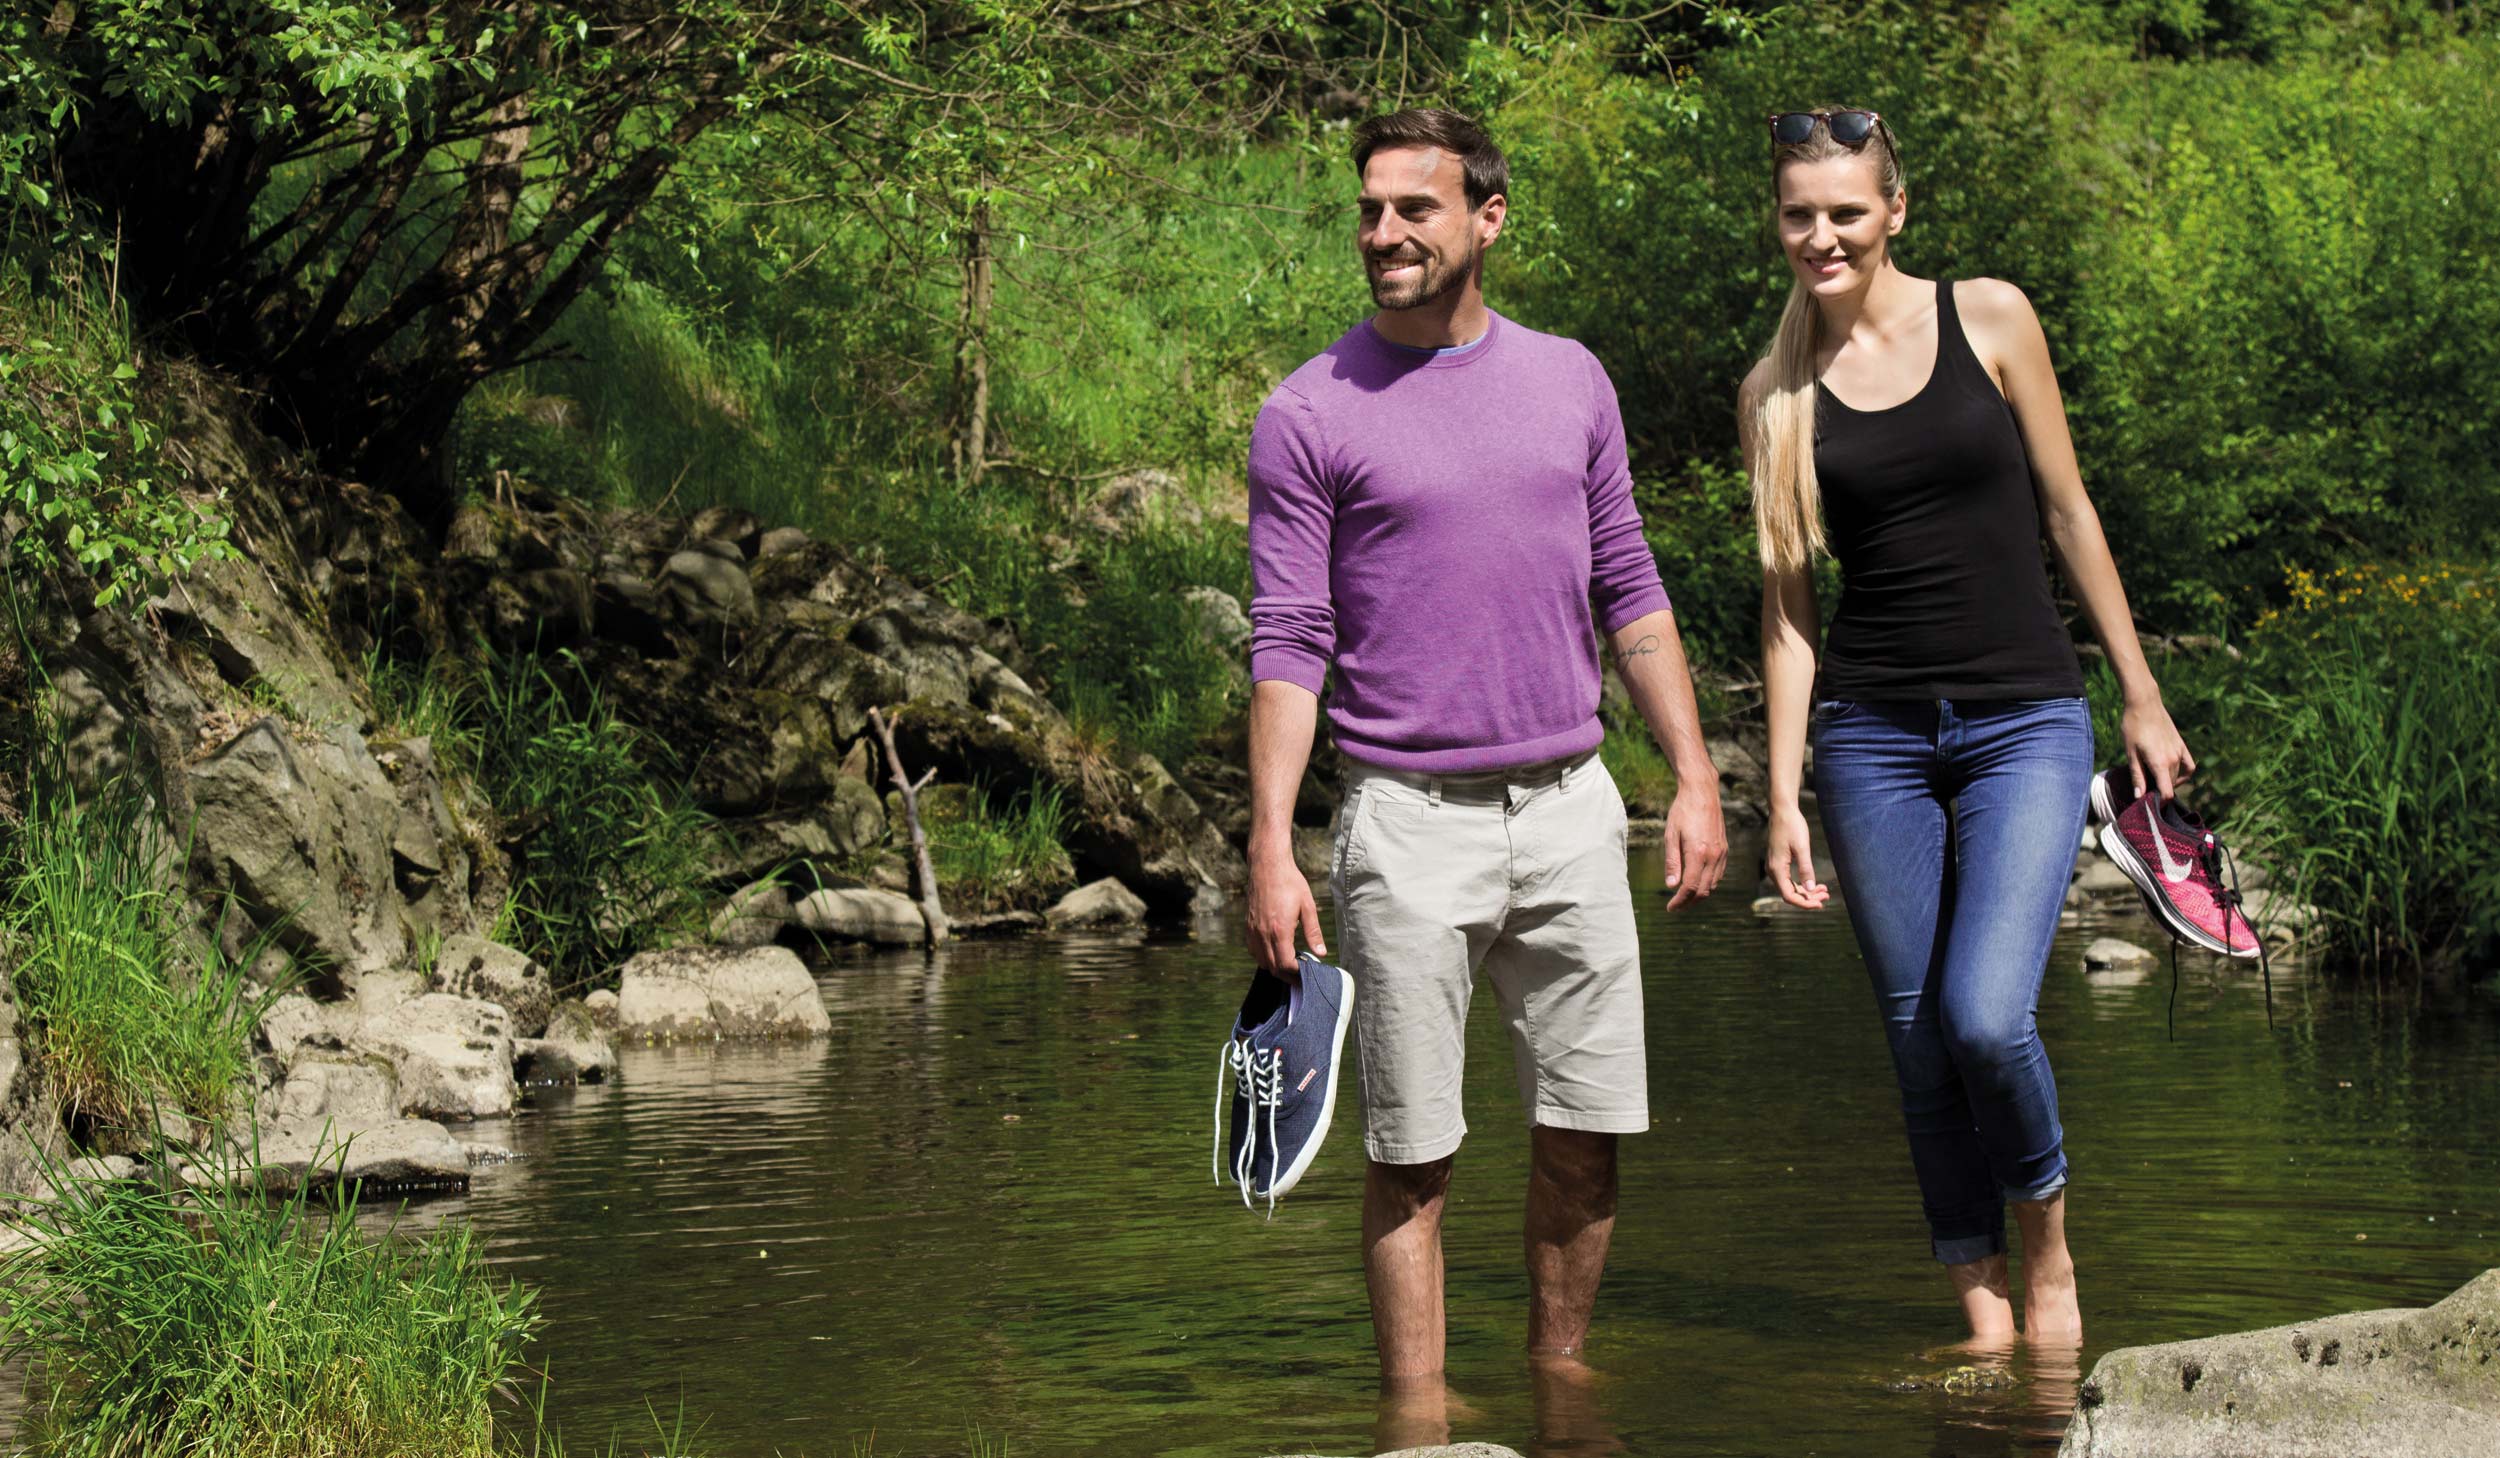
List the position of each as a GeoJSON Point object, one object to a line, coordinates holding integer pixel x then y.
{"type": "Point", "coordinates": [1571, 1220]}
{"type": "Point", "coordinates": [1402, 1205]}
{"type": "Point", "coordinates": [2051, 1314]}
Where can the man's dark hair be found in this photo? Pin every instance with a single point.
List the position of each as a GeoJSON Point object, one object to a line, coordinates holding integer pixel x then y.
{"type": "Point", "coordinates": [1488, 171]}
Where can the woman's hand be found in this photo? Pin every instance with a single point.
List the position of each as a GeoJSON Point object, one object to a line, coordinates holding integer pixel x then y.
{"type": "Point", "coordinates": [1790, 858]}
{"type": "Point", "coordinates": [2156, 754]}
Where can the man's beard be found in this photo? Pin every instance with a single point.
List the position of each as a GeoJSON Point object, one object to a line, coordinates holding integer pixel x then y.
{"type": "Point", "coordinates": [1431, 281]}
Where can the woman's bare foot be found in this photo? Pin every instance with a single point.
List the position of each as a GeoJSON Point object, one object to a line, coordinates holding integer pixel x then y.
{"type": "Point", "coordinates": [1987, 1302]}
{"type": "Point", "coordinates": [2052, 1314]}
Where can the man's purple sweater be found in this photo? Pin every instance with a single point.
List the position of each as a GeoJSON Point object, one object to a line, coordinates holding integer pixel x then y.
{"type": "Point", "coordinates": [1447, 529]}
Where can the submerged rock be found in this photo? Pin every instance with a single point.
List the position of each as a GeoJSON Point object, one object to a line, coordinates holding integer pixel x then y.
{"type": "Point", "coordinates": [717, 992]}
{"type": "Point", "coordinates": [1099, 903]}
{"type": "Point", "coordinates": [2391, 1384]}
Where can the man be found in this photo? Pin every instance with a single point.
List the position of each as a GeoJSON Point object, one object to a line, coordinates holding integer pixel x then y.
{"type": "Point", "coordinates": [1440, 509]}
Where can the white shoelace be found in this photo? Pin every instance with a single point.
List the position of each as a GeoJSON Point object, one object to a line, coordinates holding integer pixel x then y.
{"type": "Point", "coordinates": [1259, 1076]}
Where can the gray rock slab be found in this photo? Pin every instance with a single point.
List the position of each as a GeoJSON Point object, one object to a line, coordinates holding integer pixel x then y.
{"type": "Point", "coordinates": [1098, 903]}
{"type": "Point", "coordinates": [469, 966]}
{"type": "Point", "coordinates": [719, 992]}
{"type": "Point", "coordinates": [342, 1086]}
{"type": "Point", "coordinates": [2391, 1384]}
{"type": "Point", "coordinates": [863, 914]}
{"type": "Point", "coordinates": [321, 1152]}
{"type": "Point", "coordinates": [453, 1055]}
{"type": "Point", "coordinates": [754, 916]}
{"type": "Point", "coordinates": [574, 1050]}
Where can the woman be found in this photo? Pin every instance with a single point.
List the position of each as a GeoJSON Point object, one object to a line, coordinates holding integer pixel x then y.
{"type": "Point", "coordinates": [1914, 430]}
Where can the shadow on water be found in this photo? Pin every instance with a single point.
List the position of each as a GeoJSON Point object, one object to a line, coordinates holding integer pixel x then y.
{"type": "Point", "coordinates": [985, 1200]}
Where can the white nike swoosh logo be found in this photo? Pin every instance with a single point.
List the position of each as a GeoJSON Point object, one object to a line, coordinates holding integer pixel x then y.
{"type": "Point", "coordinates": [2171, 870]}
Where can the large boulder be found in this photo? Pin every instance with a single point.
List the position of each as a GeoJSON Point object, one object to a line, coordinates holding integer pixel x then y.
{"type": "Point", "coordinates": [2391, 1384]}
{"type": "Point", "coordinates": [718, 992]}
{"type": "Point", "coordinates": [301, 832]}
{"type": "Point", "coordinates": [453, 1055]}
{"type": "Point", "coordinates": [430, 860]}
{"type": "Point", "coordinates": [474, 967]}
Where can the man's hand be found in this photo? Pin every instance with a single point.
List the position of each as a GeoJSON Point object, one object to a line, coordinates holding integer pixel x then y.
{"type": "Point", "coordinates": [1281, 906]}
{"type": "Point", "coordinates": [1696, 842]}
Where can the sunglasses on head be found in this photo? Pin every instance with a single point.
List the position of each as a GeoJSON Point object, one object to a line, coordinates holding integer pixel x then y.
{"type": "Point", "coordinates": [1848, 128]}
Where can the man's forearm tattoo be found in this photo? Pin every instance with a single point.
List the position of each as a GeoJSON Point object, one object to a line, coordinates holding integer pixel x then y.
{"type": "Point", "coordinates": [1642, 649]}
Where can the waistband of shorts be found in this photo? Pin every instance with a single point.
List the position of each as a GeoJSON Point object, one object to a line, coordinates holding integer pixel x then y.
{"type": "Point", "coordinates": [1489, 784]}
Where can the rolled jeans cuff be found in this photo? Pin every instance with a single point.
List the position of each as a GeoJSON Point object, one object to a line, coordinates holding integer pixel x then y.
{"type": "Point", "coordinates": [1962, 1250]}
{"type": "Point", "coordinates": [2039, 1191]}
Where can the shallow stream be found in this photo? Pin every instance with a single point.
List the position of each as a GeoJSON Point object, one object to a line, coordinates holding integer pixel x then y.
{"type": "Point", "coordinates": [984, 1203]}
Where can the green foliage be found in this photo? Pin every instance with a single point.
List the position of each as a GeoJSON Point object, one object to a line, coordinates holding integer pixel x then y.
{"type": "Point", "coordinates": [163, 1323]}
{"type": "Point", "coordinates": [613, 858]}
{"type": "Point", "coordinates": [2290, 346]}
{"type": "Point", "coordinates": [996, 854]}
{"type": "Point", "coordinates": [128, 1013]}
{"type": "Point", "coordinates": [1639, 768]}
{"type": "Point", "coordinates": [2369, 781]}
{"type": "Point", "coordinates": [78, 458]}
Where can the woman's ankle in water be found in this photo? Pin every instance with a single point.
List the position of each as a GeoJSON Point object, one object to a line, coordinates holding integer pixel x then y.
{"type": "Point", "coordinates": [2052, 1312]}
{"type": "Point", "coordinates": [1986, 1297]}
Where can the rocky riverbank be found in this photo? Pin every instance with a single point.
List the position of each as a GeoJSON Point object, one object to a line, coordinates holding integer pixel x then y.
{"type": "Point", "coordinates": [307, 832]}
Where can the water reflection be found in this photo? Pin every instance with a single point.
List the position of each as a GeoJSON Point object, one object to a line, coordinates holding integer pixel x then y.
{"type": "Point", "coordinates": [983, 1201]}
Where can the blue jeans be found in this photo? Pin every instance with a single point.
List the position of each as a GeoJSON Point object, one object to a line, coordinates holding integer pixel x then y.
{"type": "Point", "coordinates": [1953, 826]}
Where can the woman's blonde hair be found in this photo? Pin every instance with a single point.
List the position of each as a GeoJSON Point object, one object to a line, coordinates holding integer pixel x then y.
{"type": "Point", "coordinates": [1779, 454]}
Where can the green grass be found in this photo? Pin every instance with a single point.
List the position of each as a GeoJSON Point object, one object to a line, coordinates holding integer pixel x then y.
{"type": "Point", "coordinates": [613, 855]}
{"type": "Point", "coordinates": [127, 1015]}
{"type": "Point", "coordinates": [162, 1324]}
{"type": "Point", "coordinates": [991, 851]}
{"type": "Point", "coordinates": [1640, 769]}
{"type": "Point", "coordinates": [2368, 781]}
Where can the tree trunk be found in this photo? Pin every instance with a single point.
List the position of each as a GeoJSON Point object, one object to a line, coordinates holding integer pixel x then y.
{"type": "Point", "coordinates": [972, 351]}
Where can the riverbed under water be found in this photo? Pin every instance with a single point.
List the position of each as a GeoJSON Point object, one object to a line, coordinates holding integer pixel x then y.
{"type": "Point", "coordinates": [984, 1203]}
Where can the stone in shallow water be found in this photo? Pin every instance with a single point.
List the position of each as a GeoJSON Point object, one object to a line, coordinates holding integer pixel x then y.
{"type": "Point", "coordinates": [863, 914]}
{"type": "Point", "coordinates": [323, 1152]}
{"type": "Point", "coordinates": [2391, 1384]}
{"type": "Point", "coordinates": [714, 992]}
{"type": "Point", "coordinates": [1098, 903]}
{"type": "Point", "coordinates": [2110, 954]}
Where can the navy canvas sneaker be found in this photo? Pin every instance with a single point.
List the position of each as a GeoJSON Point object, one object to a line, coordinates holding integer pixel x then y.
{"type": "Point", "coordinates": [1281, 1061]}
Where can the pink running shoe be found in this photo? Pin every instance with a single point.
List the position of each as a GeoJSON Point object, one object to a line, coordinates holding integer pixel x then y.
{"type": "Point", "coordinates": [2177, 863]}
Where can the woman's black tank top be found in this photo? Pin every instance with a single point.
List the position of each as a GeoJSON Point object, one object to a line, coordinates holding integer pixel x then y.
{"type": "Point", "coordinates": [1929, 508]}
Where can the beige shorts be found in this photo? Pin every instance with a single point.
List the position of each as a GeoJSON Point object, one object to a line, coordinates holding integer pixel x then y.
{"type": "Point", "coordinates": [1519, 872]}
